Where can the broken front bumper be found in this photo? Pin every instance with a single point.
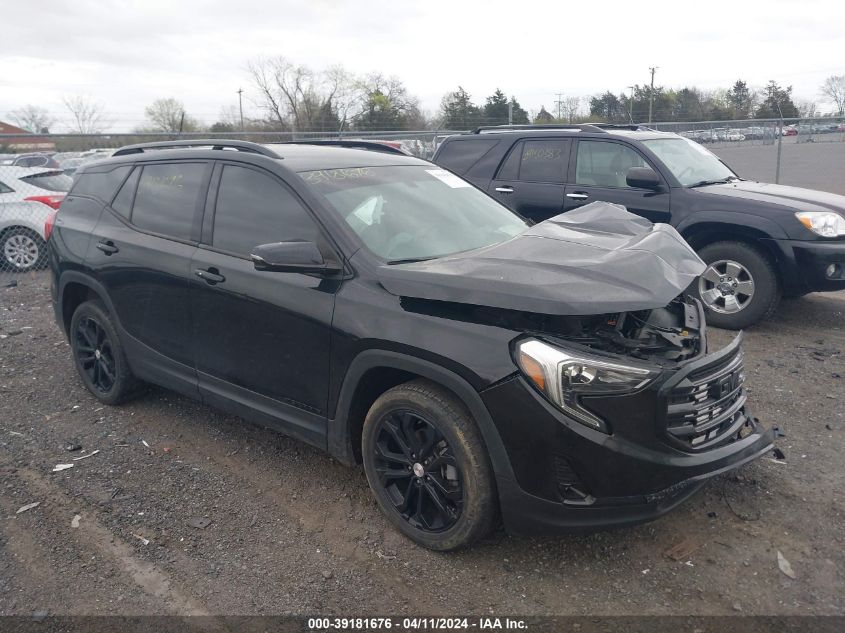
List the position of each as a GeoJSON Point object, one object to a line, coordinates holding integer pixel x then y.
{"type": "Point", "coordinates": [665, 442]}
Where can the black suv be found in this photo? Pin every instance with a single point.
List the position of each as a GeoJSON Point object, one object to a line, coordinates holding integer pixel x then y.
{"type": "Point", "coordinates": [387, 311]}
{"type": "Point", "coordinates": [759, 240]}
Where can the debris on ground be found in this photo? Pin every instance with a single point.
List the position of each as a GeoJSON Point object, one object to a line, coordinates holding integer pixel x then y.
{"type": "Point", "coordinates": [143, 540]}
{"type": "Point", "coordinates": [73, 447]}
{"type": "Point", "coordinates": [75, 521]}
{"type": "Point", "coordinates": [784, 565]}
{"type": "Point", "coordinates": [199, 522]}
{"type": "Point", "coordinates": [60, 467]}
{"type": "Point", "coordinates": [327, 574]}
{"type": "Point", "coordinates": [40, 615]}
{"type": "Point", "coordinates": [144, 442]}
{"type": "Point", "coordinates": [681, 551]}
{"type": "Point", "coordinates": [91, 454]}
{"type": "Point", "coordinates": [28, 506]}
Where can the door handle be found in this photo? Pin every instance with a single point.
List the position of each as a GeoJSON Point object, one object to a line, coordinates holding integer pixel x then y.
{"type": "Point", "coordinates": [107, 246]}
{"type": "Point", "coordinates": [504, 189]}
{"type": "Point", "coordinates": [210, 276]}
{"type": "Point", "coordinates": [577, 196]}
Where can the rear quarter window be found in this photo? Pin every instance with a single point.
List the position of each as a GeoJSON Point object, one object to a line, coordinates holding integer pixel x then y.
{"type": "Point", "coordinates": [101, 185]}
{"type": "Point", "coordinates": [460, 155]}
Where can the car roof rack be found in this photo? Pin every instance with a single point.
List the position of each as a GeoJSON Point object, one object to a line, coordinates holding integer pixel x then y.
{"type": "Point", "coordinates": [216, 144]}
{"type": "Point", "coordinates": [581, 127]}
{"type": "Point", "coordinates": [375, 146]}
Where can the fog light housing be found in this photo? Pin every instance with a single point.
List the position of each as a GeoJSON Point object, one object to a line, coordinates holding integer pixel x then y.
{"type": "Point", "coordinates": [834, 271]}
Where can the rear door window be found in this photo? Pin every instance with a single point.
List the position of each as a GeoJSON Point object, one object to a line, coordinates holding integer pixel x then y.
{"type": "Point", "coordinates": [544, 160]}
{"type": "Point", "coordinates": [166, 200]}
{"type": "Point", "coordinates": [254, 208]}
{"type": "Point", "coordinates": [460, 155]}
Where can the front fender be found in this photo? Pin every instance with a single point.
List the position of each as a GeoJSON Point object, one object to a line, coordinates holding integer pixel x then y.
{"type": "Point", "coordinates": [339, 437]}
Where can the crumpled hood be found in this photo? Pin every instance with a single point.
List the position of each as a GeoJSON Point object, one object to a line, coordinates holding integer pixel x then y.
{"type": "Point", "coordinates": [593, 260]}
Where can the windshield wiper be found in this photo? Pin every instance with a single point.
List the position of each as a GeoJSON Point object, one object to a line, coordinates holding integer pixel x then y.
{"type": "Point", "coordinates": [410, 260]}
{"type": "Point", "coordinates": [718, 181]}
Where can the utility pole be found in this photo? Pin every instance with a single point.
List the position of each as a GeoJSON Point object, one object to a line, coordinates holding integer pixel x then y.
{"type": "Point", "coordinates": [651, 94]}
{"type": "Point", "coordinates": [559, 103]}
{"type": "Point", "coordinates": [631, 104]}
{"type": "Point", "coordinates": [241, 106]}
{"type": "Point", "coordinates": [510, 112]}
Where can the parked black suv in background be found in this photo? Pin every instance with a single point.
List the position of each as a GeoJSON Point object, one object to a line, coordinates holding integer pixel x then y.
{"type": "Point", "coordinates": [759, 240]}
{"type": "Point", "coordinates": [387, 311]}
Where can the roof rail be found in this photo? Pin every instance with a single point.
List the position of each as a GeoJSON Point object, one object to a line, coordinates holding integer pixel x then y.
{"type": "Point", "coordinates": [241, 146]}
{"type": "Point", "coordinates": [636, 127]}
{"type": "Point", "coordinates": [376, 146]}
{"type": "Point", "coordinates": [581, 127]}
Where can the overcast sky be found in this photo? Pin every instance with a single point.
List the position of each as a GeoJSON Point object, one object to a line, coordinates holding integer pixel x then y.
{"type": "Point", "coordinates": [127, 53]}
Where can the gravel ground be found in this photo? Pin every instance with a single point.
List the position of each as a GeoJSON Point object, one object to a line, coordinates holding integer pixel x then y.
{"type": "Point", "coordinates": [293, 532]}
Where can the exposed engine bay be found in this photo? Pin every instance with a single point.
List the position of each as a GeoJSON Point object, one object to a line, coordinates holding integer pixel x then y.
{"type": "Point", "coordinates": [672, 333]}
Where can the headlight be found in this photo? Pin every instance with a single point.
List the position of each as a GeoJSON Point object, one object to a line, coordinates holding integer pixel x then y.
{"type": "Point", "coordinates": [826, 224]}
{"type": "Point", "coordinates": [565, 378]}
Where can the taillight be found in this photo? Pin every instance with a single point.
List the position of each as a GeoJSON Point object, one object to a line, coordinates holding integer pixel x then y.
{"type": "Point", "coordinates": [51, 201]}
{"type": "Point", "coordinates": [49, 223]}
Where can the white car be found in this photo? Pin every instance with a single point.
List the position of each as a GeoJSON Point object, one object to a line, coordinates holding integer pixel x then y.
{"type": "Point", "coordinates": [29, 196]}
{"type": "Point", "coordinates": [735, 135]}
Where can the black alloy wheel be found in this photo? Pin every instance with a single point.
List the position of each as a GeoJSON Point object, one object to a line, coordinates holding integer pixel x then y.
{"type": "Point", "coordinates": [98, 354]}
{"type": "Point", "coordinates": [94, 354]}
{"type": "Point", "coordinates": [428, 466]}
{"type": "Point", "coordinates": [418, 470]}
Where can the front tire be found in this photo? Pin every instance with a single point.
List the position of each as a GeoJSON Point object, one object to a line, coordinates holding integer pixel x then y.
{"type": "Point", "coordinates": [739, 287]}
{"type": "Point", "coordinates": [428, 467]}
{"type": "Point", "coordinates": [98, 355]}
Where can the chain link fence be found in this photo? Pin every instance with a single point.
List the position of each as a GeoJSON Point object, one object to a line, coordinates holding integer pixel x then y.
{"type": "Point", "coordinates": [36, 170]}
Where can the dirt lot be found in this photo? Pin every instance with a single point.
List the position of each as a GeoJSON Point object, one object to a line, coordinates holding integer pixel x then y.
{"type": "Point", "coordinates": [292, 531]}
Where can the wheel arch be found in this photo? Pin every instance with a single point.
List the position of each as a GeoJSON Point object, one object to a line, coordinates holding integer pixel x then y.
{"type": "Point", "coordinates": [760, 233]}
{"type": "Point", "coordinates": [372, 373]}
{"type": "Point", "coordinates": [74, 289]}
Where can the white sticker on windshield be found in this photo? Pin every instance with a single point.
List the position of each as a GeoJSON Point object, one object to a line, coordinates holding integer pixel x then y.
{"type": "Point", "coordinates": [449, 178]}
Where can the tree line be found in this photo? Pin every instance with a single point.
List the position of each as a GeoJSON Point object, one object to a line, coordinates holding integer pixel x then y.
{"type": "Point", "coordinates": [290, 97]}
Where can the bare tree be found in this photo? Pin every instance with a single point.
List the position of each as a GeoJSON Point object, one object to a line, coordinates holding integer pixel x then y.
{"type": "Point", "coordinates": [168, 115]}
{"type": "Point", "coordinates": [834, 89]}
{"type": "Point", "coordinates": [345, 93]}
{"type": "Point", "coordinates": [287, 91]}
{"type": "Point", "coordinates": [33, 118]}
{"type": "Point", "coordinates": [88, 116]}
{"type": "Point", "coordinates": [807, 109]}
{"type": "Point", "coordinates": [571, 107]}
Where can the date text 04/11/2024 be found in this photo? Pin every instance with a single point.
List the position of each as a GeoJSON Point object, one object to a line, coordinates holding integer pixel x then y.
{"type": "Point", "coordinates": [412, 624]}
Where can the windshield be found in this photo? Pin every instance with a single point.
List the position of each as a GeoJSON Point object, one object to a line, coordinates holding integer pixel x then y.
{"type": "Point", "coordinates": [688, 161]}
{"type": "Point", "coordinates": [414, 212]}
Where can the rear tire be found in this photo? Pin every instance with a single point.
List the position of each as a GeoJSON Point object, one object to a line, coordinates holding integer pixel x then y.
{"type": "Point", "coordinates": [739, 287]}
{"type": "Point", "coordinates": [22, 250]}
{"type": "Point", "coordinates": [428, 467]}
{"type": "Point", "coordinates": [98, 355]}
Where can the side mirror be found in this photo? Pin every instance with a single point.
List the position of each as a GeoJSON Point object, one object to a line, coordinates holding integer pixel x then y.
{"type": "Point", "coordinates": [643, 178]}
{"type": "Point", "coordinates": [296, 256]}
